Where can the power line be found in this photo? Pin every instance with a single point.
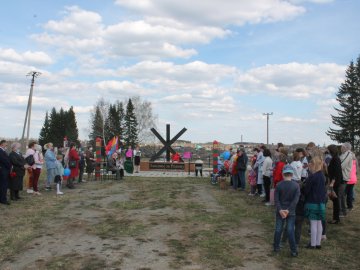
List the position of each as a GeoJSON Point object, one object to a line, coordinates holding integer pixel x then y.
{"type": "Point", "coordinates": [33, 74]}
{"type": "Point", "coordinates": [267, 126]}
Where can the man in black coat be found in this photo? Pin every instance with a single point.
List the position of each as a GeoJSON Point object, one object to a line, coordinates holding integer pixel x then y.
{"type": "Point", "coordinates": [5, 167]}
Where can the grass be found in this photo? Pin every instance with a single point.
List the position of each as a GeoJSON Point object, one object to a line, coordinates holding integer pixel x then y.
{"type": "Point", "coordinates": [112, 227]}
{"type": "Point", "coordinates": [227, 232]}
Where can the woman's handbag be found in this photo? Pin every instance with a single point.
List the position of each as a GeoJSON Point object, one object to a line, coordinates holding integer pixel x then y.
{"type": "Point", "coordinates": [72, 164]}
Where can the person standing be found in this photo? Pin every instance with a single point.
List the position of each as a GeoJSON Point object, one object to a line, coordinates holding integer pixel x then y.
{"type": "Point", "coordinates": [258, 168]}
{"type": "Point", "coordinates": [5, 167]}
{"type": "Point", "coordinates": [336, 179]}
{"type": "Point", "coordinates": [199, 167]}
{"type": "Point", "coordinates": [30, 158]}
{"type": "Point", "coordinates": [297, 166]}
{"type": "Point", "coordinates": [39, 161]}
{"type": "Point", "coordinates": [242, 163]}
{"type": "Point", "coordinates": [129, 153]}
{"type": "Point", "coordinates": [73, 165]}
{"type": "Point", "coordinates": [349, 191]}
{"type": "Point", "coordinates": [81, 167]}
{"type": "Point", "coordinates": [287, 195]}
{"type": "Point", "coordinates": [137, 155]}
{"type": "Point", "coordinates": [59, 172]}
{"type": "Point", "coordinates": [267, 171]}
{"type": "Point", "coordinates": [315, 197]}
{"type": "Point", "coordinates": [277, 172]}
{"type": "Point", "coordinates": [346, 159]}
{"type": "Point", "coordinates": [18, 168]}
{"type": "Point", "coordinates": [90, 160]}
{"type": "Point", "coordinates": [50, 161]}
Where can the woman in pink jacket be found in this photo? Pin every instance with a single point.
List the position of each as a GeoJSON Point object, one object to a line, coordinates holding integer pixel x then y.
{"type": "Point", "coordinates": [349, 190]}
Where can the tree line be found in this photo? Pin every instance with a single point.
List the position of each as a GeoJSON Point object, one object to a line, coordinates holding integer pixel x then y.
{"type": "Point", "coordinates": [131, 120]}
{"type": "Point", "coordinates": [347, 118]}
{"type": "Point", "coordinates": [57, 125]}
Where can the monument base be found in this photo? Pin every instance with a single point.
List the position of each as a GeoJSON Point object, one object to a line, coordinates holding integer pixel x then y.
{"type": "Point", "coordinates": [167, 166]}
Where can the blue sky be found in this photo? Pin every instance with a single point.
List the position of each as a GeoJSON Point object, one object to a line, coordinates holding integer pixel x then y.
{"type": "Point", "coordinates": [211, 66]}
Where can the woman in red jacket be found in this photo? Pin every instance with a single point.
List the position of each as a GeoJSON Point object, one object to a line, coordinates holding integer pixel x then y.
{"type": "Point", "coordinates": [73, 165]}
{"type": "Point", "coordinates": [277, 173]}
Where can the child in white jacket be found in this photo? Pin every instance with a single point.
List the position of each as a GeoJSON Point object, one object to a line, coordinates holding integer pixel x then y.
{"type": "Point", "coordinates": [59, 172]}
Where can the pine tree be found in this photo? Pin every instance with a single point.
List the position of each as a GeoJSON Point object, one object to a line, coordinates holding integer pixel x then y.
{"type": "Point", "coordinates": [55, 131]}
{"type": "Point", "coordinates": [45, 131]}
{"type": "Point", "coordinates": [111, 123]}
{"type": "Point", "coordinates": [71, 130]}
{"type": "Point", "coordinates": [96, 125]}
{"type": "Point", "coordinates": [348, 113]}
{"type": "Point", "coordinates": [131, 126]}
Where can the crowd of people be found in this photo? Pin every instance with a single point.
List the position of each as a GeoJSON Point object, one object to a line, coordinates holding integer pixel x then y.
{"type": "Point", "coordinates": [298, 186]}
{"type": "Point", "coordinates": [68, 163]}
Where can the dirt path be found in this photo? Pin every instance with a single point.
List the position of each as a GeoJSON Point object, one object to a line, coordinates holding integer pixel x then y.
{"type": "Point", "coordinates": [140, 225]}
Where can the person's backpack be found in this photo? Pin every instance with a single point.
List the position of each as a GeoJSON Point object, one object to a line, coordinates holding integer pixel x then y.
{"type": "Point", "coordinates": [30, 160]}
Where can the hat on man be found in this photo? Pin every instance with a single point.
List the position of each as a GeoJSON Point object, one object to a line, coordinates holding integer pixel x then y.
{"type": "Point", "coordinates": [288, 169]}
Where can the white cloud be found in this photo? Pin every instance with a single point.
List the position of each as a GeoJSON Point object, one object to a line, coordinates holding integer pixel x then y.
{"type": "Point", "coordinates": [293, 80]}
{"type": "Point", "coordinates": [28, 57]}
{"type": "Point", "coordinates": [311, 1]}
{"type": "Point", "coordinates": [216, 12]}
{"type": "Point", "coordinates": [295, 120]}
{"type": "Point", "coordinates": [76, 22]}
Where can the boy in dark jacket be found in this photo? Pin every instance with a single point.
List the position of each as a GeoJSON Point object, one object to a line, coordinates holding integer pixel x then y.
{"type": "Point", "coordinates": [287, 195]}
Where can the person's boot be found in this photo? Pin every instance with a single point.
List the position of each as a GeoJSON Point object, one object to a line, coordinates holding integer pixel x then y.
{"type": "Point", "coordinates": [58, 192]}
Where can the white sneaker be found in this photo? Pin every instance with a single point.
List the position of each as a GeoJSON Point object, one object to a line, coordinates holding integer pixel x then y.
{"type": "Point", "coordinates": [30, 191]}
{"type": "Point", "coordinates": [36, 193]}
{"type": "Point", "coordinates": [323, 238]}
{"type": "Point", "coordinates": [262, 195]}
{"type": "Point", "coordinates": [268, 204]}
{"type": "Point", "coordinates": [59, 193]}
{"type": "Point", "coordinates": [251, 194]}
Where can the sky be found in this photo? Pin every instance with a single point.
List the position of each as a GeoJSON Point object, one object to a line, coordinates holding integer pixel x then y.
{"type": "Point", "coordinates": [212, 66]}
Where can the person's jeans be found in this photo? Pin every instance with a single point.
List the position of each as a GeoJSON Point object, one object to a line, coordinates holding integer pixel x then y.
{"type": "Point", "coordinates": [342, 188]}
{"type": "Point", "coordinates": [279, 225]}
{"type": "Point", "coordinates": [50, 177]}
{"type": "Point", "coordinates": [349, 191]}
{"type": "Point", "coordinates": [267, 184]}
{"type": "Point", "coordinates": [35, 178]}
{"type": "Point", "coordinates": [198, 170]}
{"type": "Point", "coordinates": [242, 181]}
{"type": "Point", "coordinates": [235, 181]}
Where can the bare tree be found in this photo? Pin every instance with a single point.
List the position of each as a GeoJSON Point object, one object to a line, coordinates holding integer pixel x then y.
{"type": "Point", "coordinates": [145, 118]}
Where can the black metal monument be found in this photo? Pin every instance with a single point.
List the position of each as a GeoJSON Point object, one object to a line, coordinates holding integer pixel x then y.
{"type": "Point", "coordinates": [167, 143]}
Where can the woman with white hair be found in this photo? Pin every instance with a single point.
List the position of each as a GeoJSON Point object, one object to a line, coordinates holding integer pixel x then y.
{"type": "Point", "coordinates": [346, 159]}
{"type": "Point", "coordinates": [18, 171]}
{"type": "Point", "coordinates": [50, 161]}
{"type": "Point", "coordinates": [36, 171]}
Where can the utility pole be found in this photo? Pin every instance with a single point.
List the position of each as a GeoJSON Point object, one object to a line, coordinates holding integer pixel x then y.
{"type": "Point", "coordinates": [33, 74]}
{"type": "Point", "coordinates": [267, 126]}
